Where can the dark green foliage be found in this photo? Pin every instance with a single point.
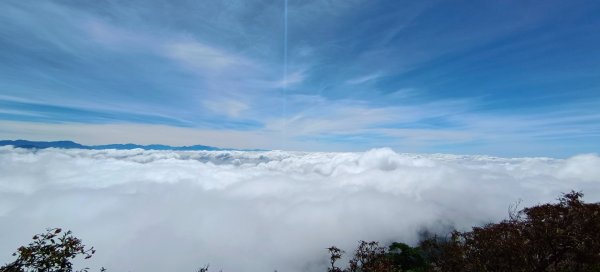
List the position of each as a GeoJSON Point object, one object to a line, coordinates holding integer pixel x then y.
{"type": "Point", "coordinates": [407, 258]}
{"type": "Point", "coordinates": [52, 251]}
{"type": "Point", "coordinates": [370, 257]}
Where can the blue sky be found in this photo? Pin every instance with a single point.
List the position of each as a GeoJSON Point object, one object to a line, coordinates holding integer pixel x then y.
{"type": "Point", "coordinates": [508, 78]}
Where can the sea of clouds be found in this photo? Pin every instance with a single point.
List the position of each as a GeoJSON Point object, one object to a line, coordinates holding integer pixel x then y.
{"type": "Point", "coordinates": [260, 211]}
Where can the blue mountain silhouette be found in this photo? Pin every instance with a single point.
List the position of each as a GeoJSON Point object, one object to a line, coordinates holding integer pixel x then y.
{"type": "Point", "coordinates": [71, 144]}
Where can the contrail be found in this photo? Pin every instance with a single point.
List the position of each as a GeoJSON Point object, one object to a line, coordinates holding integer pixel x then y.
{"type": "Point", "coordinates": [285, 64]}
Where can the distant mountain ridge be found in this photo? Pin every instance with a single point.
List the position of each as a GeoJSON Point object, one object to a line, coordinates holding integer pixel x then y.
{"type": "Point", "coordinates": [71, 144]}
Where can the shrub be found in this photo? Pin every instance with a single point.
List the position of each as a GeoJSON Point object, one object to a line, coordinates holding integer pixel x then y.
{"type": "Point", "coordinates": [52, 251]}
{"type": "Point", "coordinates": [371, 257]}
{"type": "Point", "coordinates": [549, 237]}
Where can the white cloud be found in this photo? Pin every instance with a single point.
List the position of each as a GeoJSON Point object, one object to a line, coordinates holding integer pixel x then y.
{"type": "Point", "coordinates": [290, 79]}
{"type": "Point", "coordinates": [259, 211]}
{"type": "Point", "coordinates": [19, 112]}
{"type": "Point", "coordinates": [227, 107]}
{"type": "Point", "coordinates": [315, 115]}
{"type": "Point", "coordinates": [202, 58]}
{"type": "Point", "coordinates": [199, 57]}
{"type": "Point", "coordinates": [363, 79]}
{"type": "Point", "coordinates": [584, 167]}
{"type": "Point", "coordinates": [116, 38]}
